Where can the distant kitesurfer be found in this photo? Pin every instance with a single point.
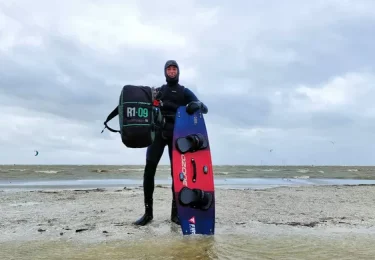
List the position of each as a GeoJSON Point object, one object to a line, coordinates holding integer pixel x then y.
{"type": "Point", "coordinates": [172, 95]}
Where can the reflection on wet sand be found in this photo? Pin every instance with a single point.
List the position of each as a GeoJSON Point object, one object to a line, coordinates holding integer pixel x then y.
{"type": "Point", "coordinates": [216, 247]}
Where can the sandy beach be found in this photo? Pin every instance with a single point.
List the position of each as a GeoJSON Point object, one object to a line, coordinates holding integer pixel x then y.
{"type": "Point", "coordinates": [105, 215]}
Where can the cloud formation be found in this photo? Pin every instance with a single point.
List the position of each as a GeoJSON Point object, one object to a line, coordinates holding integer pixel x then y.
{"type": "Point", "coordinates": [289, 76]}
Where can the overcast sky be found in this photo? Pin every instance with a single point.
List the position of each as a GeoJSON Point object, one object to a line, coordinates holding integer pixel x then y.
{"type": "Point", "coordinates": [291, 76]}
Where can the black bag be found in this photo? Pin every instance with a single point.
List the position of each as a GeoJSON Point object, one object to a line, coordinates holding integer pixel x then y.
{"type": "Point", "coordinates": [139, 116]}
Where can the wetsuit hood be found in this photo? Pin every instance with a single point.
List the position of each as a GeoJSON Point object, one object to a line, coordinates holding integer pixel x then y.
{"type": "Point", "coordinates": [168, 79]}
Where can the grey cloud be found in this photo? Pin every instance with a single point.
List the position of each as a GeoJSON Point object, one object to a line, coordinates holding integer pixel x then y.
{"type": "Point", "coordinates": [299, 48]}
{"type": "Point", "coordinates": [256, 48]}
{"type": "Point", "coordinates": [240, 110]}
{"type": "Point", "coordinates": [33, 76]}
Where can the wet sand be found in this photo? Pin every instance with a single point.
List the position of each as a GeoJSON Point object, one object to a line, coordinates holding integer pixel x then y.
{"type": "Point", "coordinates": [310, 222]}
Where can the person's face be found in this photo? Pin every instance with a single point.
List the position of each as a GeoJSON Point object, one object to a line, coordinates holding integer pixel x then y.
{"type": "Point", "coordinates": [172, 71]}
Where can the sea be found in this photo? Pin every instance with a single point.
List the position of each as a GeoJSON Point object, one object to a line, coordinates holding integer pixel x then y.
{"type": "Point", "coordinates": [226, 176]}
{"type": "Point", "coordinates": [292, 245]}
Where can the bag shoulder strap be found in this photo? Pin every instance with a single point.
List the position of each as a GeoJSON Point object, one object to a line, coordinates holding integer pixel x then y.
{"type": "Point", "coordinates": [109, 118]}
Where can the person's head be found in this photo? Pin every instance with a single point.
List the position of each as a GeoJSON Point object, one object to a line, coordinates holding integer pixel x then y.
{"type": "Point", "coordinates": [171, 71]}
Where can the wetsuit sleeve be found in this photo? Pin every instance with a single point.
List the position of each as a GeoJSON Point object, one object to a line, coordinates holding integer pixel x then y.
{"type": "Point", "coordinates": [191, 97]}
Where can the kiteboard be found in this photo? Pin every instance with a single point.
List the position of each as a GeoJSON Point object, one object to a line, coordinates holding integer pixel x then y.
{"type": "Point", "coordinates": [193, 176]}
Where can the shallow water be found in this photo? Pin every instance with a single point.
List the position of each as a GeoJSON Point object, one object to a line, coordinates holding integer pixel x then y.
{"type": "Point", "coordinates": [226, 183]}
{"type": "Point", "coordinates": [359, 246]}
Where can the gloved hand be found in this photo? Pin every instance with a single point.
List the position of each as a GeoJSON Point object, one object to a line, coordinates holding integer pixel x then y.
{"type": "Point", "coordinates": [194, 106]}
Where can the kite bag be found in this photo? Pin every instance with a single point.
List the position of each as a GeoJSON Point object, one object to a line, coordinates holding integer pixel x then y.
{"type": "Point", "coordinates": [139, 116]}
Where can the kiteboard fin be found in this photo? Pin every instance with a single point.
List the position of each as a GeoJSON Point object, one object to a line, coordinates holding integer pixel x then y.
{"type": "Point", "coordinates": [195, 198]}
{"type": "Point", "coordinates": [191, 143]}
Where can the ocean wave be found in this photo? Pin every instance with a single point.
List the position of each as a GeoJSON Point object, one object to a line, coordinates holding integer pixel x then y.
{"type": "Point", "coordinates": [99, 170]}
{"type": "Point", "coordinates": [352, 170]}
{"type": "Point", "coordinates": [271, 170]}
{"type": "Point", "coordinates": [221, 173]}
{"type": "Point", "coordinates": [131, 170]}
{"type": "Point", "coordinates": [302, 177]}
{"type": "Point", "coordinates": [48, 171]}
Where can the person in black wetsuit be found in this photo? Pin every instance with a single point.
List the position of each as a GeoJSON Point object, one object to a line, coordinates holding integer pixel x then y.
{"type": "Point", "coordinates": [172, 96]}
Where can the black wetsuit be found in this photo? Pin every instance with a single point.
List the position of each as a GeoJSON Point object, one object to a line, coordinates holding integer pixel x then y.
{"type": "Point", "coordinates": [172, 96]}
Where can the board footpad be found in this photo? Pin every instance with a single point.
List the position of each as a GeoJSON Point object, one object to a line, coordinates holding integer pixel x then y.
{"type": "Point", "coordinates": [191, 143]}
{"type": "Point", "coordinates": [195, 198]}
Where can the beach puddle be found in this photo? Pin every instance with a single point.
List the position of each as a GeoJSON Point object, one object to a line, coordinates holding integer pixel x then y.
{"type": "Point", "coordinates": [217, 247]}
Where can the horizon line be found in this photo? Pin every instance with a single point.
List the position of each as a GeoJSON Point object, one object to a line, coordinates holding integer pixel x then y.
{"type": "Point", "coordinates": [214, 165]}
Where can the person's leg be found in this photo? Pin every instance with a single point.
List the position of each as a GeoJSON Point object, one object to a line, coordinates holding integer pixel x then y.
{"type": "Point", "coordinates": [153, 156]}
{"type": "Point", "coordinates": [174, 216]}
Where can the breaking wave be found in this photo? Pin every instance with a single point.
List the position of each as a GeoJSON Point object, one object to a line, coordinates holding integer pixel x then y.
{"type": "Point", "coordinates": [302, 177]}
{"type": "Point", "coordinates": [48, 171]}
{"type": "Point", "coordinates": [221, 173]}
